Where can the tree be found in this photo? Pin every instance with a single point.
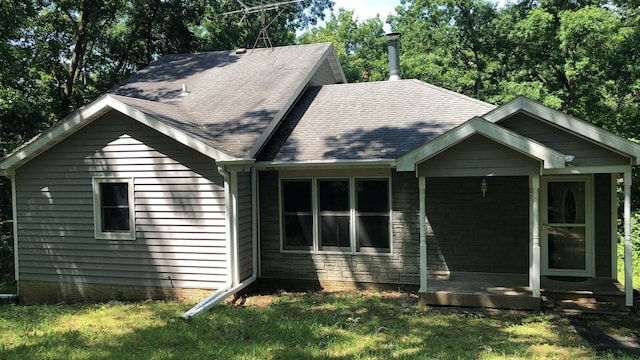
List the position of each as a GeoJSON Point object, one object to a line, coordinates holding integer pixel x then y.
{"type": "Point", "coordinates": [360, 46]}
{"type": "Point", "coordinates": [448, 43]}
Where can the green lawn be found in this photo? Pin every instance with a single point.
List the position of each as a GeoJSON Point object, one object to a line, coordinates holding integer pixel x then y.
{"type": "Point", "coordinates": [354, 325]}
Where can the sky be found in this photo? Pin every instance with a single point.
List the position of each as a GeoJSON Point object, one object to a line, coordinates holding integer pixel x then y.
{"type": "Point", "coordinates": [367, 9]}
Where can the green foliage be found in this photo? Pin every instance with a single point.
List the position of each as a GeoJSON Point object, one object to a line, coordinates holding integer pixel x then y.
{"type": "Point", "coordinates": [7, 283]}
{"type": "Point", "coordinates": [635, 241]}
{"type": "Point", "coordinates": [368, 325]}
{"type": "Point", "coordinates": [360, 45]}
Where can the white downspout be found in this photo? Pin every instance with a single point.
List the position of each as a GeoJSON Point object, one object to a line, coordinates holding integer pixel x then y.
{"type": "Point", "coordinates": [534, 224]}
{"type": "Point", "coordinates": [233, 284]}
{"type": "Point", "coordinates": [628, 255]}
{"type": "Point", "coordinates": [14, 210]}
{"type": "Point", "coordinates": [255, 236]}
{"type": "Point", "coordinates": [422, 185]}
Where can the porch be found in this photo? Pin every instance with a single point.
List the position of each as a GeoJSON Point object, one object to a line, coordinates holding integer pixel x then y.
{"type": "Point", "coordinates": [512, 291]}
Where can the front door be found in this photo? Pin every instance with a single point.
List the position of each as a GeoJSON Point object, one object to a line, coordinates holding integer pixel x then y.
{"type": "Point", "coordinates": [567, 223]}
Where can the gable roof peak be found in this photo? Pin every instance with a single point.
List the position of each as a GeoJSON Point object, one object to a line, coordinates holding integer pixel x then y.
{"type": "Point", "coordinates": [566, 122]}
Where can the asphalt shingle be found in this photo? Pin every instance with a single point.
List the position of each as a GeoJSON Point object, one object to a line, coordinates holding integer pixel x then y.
{"type": "Point", "coordinates": [366, 121]}
{"type": "Point", "coordinates": [231, 98]}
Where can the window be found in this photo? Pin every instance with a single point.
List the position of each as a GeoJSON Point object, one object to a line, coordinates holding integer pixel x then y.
{"type": "Point", "coordinates": [297, 214]}
{"type": "Point", "coordinates": [113, 208]}
{"type": "Point", "coordinates": [372, 214]}
{"type": "Point", "coordinates": [334, 213]}
{"type": "Point", "coordinates": [342, 214]}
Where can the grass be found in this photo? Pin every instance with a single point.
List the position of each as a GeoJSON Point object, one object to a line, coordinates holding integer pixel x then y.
{"type": "Point", "coordinates": [636, 266]}
{"type": "Point", "coordinates": [354, 325]}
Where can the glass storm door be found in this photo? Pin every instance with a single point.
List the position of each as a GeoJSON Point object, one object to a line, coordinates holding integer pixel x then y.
{"type": "Point", "coordinates": [567, 223]}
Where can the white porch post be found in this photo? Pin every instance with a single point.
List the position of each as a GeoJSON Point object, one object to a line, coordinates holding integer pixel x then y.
{"type": "Point", "coordinates": [628, 256]}
{"type": "Point", "coordinates": [422, 184]}
{"type": "Point", "coordinates": [534, 228]}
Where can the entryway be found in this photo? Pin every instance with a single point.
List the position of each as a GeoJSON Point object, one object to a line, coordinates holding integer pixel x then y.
{"type": "Point", "coordinates": [567, 226]}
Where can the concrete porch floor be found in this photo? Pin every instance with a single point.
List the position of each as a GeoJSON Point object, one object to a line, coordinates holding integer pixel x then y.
{"type": "Point", "coordinates": [512, 291]}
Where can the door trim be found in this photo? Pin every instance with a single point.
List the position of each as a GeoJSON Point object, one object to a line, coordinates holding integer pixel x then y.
{"type": "Point", "coordinates": [589, 226]}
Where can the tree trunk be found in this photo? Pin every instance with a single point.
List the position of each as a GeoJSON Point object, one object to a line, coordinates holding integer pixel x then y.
{"type": "Point", "coordinates": [77, 54]}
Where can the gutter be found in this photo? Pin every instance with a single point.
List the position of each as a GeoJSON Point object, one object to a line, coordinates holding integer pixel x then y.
{"type": "Point", "coordinates": [326, 164]}
{"type": "Point", "coordinates": [228, 289]}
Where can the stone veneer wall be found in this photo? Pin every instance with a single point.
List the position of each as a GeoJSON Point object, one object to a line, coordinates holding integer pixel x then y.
{"type": "Point", "coordinates": [50, 292]}
{"type": "Point", "coordinates": [400, 267]}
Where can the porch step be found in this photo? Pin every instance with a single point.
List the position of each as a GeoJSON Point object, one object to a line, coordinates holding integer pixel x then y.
{"type": "Point", "coordinates": [582, 305]}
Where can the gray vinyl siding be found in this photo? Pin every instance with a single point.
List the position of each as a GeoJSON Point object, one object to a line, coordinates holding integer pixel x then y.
{"type": "Point", "coordinates": [245, 250]}
{"type": "Point", "coordinates": [603, 210]}
{"type": "Point", "coordinates": [324, 75]}
{"type": "Point", "coordinates": [586, 153]}
{"type": "Point", "coordinates": [479, 156]}
{"type": "Point", "coordinates": [467, 231]}
{"type": "Point", "coordinates": [399, 267]}
{"type": "Point", "coordinates": [179, 211]}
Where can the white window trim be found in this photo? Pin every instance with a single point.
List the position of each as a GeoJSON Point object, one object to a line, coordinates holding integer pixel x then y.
{"type": "Point", "coordinates": [589, 226]}
{"type": "Point", "coordinates": [97, 218]}
{"type": "Point", "coordinates": [354, 248]}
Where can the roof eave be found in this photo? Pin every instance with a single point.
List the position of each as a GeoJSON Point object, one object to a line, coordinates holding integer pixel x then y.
{"type": "Point", "coordinates": [87, 114]}
{"type": "Point", "coordinates": [325, 164]}
{"type": "Point", "coordinates": [582, 128]}
{"type": "Point", "coordinates": [64, 128]}
{"type": "Point", "coordinates": [551, 159]}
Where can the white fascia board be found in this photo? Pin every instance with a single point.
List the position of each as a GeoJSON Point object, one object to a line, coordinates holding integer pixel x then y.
{"type": "Point", "coordinates": [84, 116]}
{"type": "Point", "coordinates": [56, 133]}
{"type": "Point", "coordinates": [338, 71]}
{"type": "Point", "coordinates": [328, 164]}
{"type": "Point", "coordinates": [576, 170]}
{"type": "Point", "coordinates": [266, 135]}
{"type": "Point", "coordinates": [551, 159]}
{"type": "Point", "coordinates": [582, 128]}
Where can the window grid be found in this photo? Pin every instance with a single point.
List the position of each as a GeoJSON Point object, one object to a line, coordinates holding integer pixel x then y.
{"type": "Point", "coordinates": [113, 208]}
{"type": "Point", "coordinates": [362, 225]}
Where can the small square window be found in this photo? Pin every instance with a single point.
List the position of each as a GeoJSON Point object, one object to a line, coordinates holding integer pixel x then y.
{"type": "Point", "coordinates": [113, 209]}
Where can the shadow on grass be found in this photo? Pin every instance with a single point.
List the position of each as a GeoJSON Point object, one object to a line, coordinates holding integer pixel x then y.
{"type": "Point", "coordinates": [289, 326]}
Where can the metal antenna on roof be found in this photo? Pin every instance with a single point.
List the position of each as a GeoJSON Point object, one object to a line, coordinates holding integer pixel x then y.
{"type": "Point", "coordinates": [262, 8]}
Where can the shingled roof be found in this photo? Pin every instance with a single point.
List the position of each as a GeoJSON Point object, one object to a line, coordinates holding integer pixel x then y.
{"type": "Point", "coordinates": [231, 98]}
{"type": "Point", "coordinates": [368, 121]}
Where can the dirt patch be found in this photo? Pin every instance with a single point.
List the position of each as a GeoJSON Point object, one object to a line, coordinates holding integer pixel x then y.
{"type": "Point", "coordinates": [609, 334]}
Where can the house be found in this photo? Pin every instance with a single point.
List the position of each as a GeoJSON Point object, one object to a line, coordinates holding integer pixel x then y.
{"type": "Point", "coordinates": [206, 173]}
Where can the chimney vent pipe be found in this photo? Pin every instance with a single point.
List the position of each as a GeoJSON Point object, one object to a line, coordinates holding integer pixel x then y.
{"type": "Point", "coordinates": [393, 39]}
